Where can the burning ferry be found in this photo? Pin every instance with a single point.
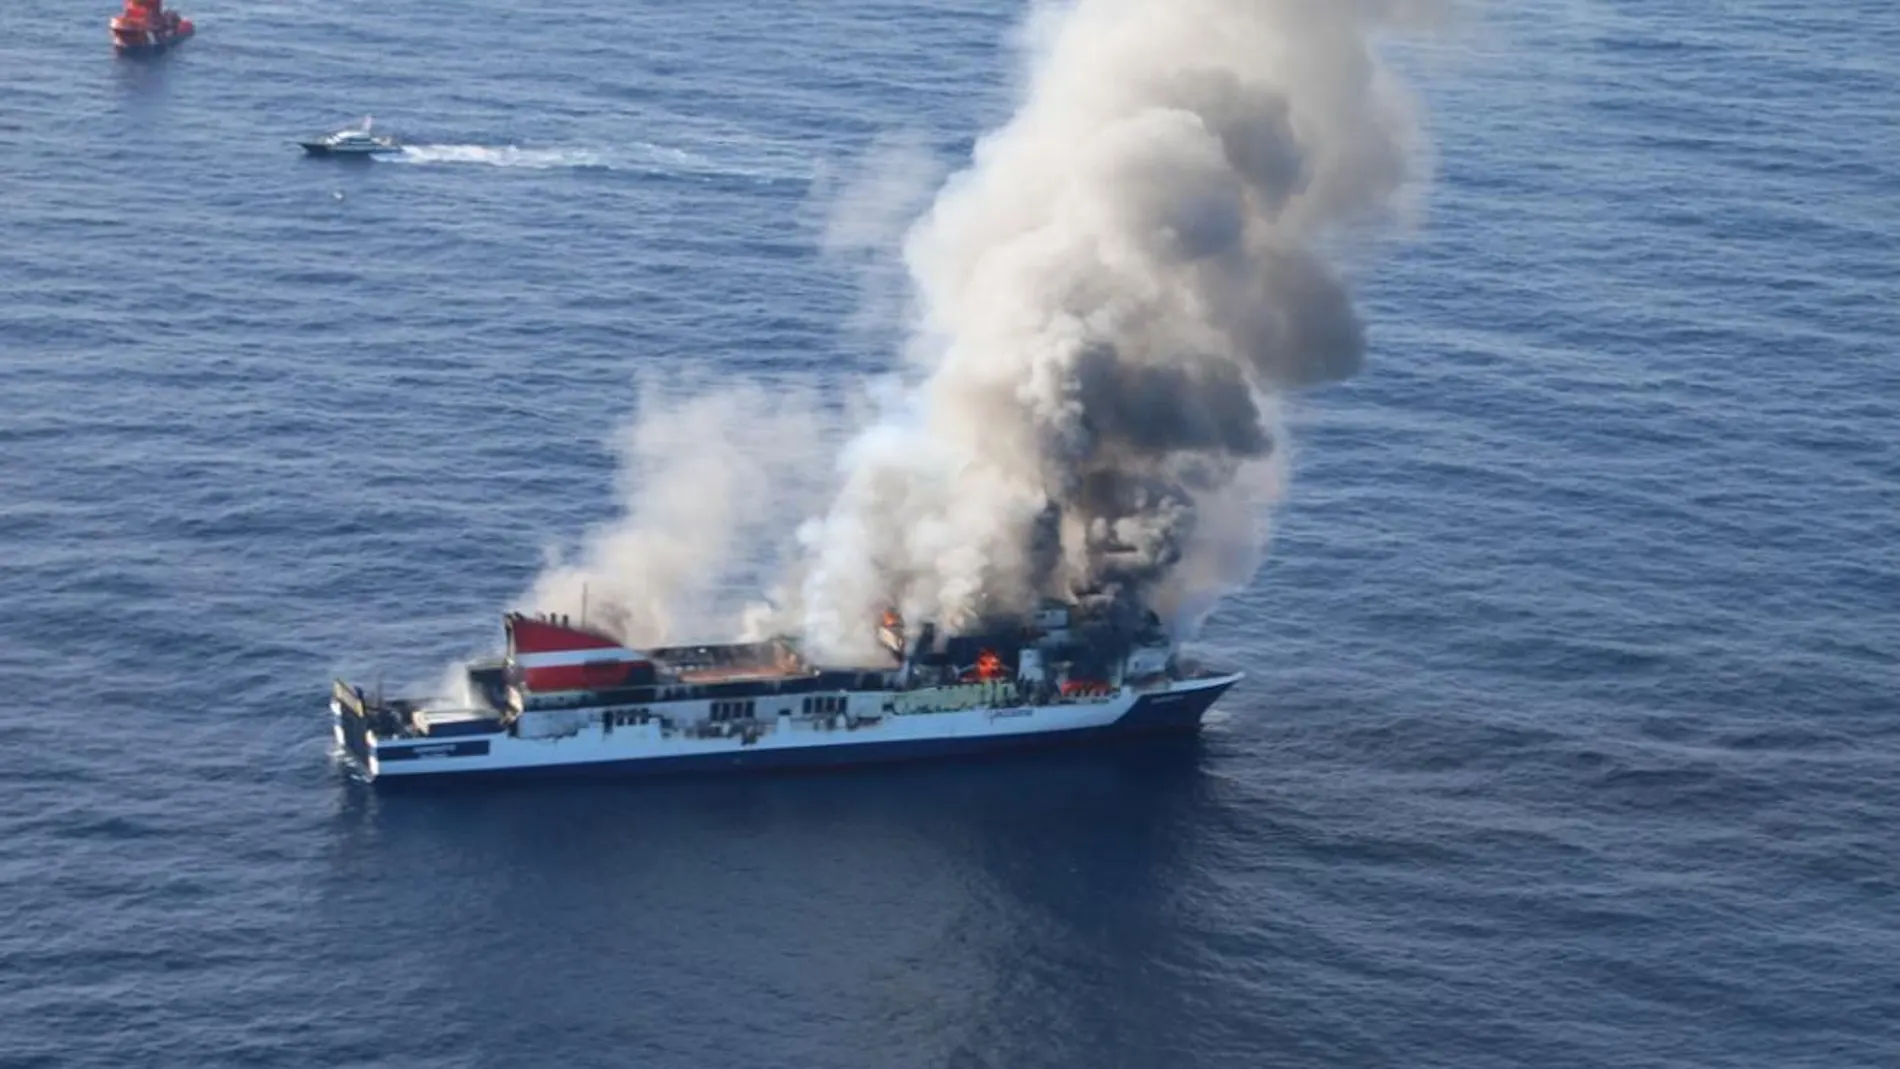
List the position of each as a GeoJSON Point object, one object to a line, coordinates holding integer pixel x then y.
{"type": "Point", "coordinates": [568, 698]}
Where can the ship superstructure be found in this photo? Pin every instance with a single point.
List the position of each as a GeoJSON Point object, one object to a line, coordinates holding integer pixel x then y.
{"type": "Point", "coordinates": [567, 697]}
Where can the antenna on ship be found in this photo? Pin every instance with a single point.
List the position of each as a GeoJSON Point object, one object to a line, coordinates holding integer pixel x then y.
{"type": "Point", "coordinates": [583, 604]}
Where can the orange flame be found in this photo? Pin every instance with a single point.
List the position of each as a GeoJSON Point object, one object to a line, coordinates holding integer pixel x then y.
{"type": "Point", "coordinates": [988, 666]}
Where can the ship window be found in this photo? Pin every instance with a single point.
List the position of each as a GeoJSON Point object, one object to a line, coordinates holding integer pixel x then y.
{"type": "Point", "coordinates": [733, 710]}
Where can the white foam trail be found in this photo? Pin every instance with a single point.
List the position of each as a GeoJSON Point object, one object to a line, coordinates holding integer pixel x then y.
{"type": "Point", "coordinates": [639, 156]}
{"type": "Point", "coordinates": [540, 159]}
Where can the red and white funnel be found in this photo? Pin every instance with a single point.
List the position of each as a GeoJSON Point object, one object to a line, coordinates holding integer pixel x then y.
{"type": "Point", "coordinates": [553, 655]}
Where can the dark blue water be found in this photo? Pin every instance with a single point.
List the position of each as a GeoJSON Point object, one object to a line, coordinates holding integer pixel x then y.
{"type": "Point", "coordinates": [1570, 736]}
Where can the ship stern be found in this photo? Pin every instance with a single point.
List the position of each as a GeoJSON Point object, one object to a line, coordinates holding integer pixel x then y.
{"type": "Point", "coordinates": [352, 723]}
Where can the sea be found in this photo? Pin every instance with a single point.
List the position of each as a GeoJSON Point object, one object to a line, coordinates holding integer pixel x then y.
{"type": "Point", "coordinates": [1570, 734]}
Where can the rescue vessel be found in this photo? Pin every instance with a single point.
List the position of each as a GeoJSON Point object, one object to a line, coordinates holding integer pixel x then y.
{"type": "Point", "coordinates": [569, 698]}
{"type": "Point", "coordinates": [145, 27]}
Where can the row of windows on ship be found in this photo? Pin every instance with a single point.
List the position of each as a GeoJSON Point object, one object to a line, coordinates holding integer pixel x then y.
{"type": "Point", "coordinates": [812, 705]}
{"type": "Point", "coordinates": [722, 711]}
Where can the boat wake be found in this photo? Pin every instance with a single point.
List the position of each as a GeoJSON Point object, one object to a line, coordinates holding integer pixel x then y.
{"type": "Point", "coordinates": [640, 157]}
{"type": "Point", "coordinates": [502, 156]}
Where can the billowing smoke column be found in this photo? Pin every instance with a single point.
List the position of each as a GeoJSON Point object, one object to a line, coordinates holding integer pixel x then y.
{"type": "Point", "coordinates": [1111, 299]}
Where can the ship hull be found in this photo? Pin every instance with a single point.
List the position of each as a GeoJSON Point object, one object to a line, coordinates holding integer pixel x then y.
{"type": "Point", "coordinates": [149, 45]}
{"type": "Point", "coordinates": [318, 148]}
{"type": "Point", "coordinates": [646, 751]}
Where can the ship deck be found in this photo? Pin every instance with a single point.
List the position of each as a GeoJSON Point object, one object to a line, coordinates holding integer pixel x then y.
{"type": "Point", "coordinates": [741, 674]}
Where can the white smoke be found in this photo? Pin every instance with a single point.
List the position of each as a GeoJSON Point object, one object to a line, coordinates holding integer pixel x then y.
{"type": "Point", "coordinates": [1109, 302]}
{"type": "Point", "coordinates": [866, 207]}
{"type": "Point", "coordinates": [707, 479]}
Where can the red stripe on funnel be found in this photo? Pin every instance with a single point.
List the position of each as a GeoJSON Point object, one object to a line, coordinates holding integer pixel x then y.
{"type": "Point", "coordinates": [528, 635]}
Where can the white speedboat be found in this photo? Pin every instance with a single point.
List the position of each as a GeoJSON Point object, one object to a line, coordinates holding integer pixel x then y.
{"type": "Point", "coordinates": [357, 141]}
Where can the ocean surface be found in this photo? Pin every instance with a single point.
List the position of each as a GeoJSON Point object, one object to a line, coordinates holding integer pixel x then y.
{"type": "Point", "coordinates": [1571, 733]}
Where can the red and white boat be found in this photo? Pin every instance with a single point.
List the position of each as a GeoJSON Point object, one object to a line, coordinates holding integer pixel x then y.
{"type": "Point", "coordinates": [146, 26]}
{"type": "Point", "coordinates": [570, 698]}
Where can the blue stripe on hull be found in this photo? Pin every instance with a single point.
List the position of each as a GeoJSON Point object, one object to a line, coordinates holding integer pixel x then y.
{"type": "Point", "coordinates": [418, 751]}
{"type": "Point", "coordinates": [1178, 712]}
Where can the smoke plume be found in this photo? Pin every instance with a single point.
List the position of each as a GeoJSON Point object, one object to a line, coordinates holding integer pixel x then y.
{"type": "Point", "coordinates": [707, 478]}
{"type": "Point", "coordinates": [1112, 298]}
{"type": "Point", "coordinates": [1109, 301]}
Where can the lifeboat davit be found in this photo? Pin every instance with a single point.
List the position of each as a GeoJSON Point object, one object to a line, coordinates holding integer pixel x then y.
{"type": "Point", "coordinates": [146, 27]}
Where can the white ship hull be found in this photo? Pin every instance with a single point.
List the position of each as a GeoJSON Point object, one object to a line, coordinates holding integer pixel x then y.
{"type": "Point", "coordinates": [871, 728]}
